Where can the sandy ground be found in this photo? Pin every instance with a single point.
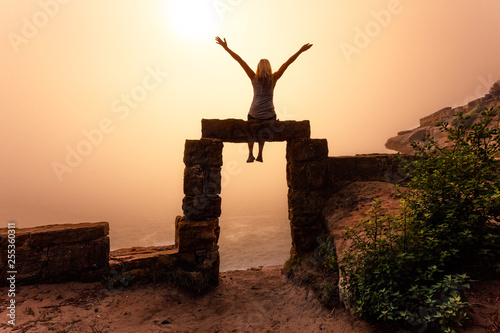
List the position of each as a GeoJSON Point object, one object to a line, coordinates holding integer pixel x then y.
{"type": "Point", "coordinates": [255, 300]}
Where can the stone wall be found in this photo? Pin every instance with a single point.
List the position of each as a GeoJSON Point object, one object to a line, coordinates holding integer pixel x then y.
{"type": "Point", "coordinates": [55, 253]}
{"type": "Point", "coordinates": [374, 167]}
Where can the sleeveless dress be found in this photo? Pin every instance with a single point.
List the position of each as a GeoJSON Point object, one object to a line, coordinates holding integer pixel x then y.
{"type": "Point", "coordinates": [262, 104]}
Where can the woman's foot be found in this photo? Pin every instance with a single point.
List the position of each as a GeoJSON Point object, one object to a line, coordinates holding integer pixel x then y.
{"type": "Point", "coordinates": [251, 159]}
{"type": "Point", "coordinates": [259, 158]}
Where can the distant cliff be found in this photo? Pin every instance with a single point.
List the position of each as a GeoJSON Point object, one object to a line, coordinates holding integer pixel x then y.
{"type": "Point", "coordinates": [429, 125]}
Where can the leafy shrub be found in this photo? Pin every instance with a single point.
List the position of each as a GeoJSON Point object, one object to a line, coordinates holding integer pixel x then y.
{"type": "Point", "coordinates": [408, 267]}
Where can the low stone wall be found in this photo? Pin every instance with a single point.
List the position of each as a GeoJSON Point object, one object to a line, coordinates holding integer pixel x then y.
{"type": "Point", "coordinates": [374, 167]}
{"type": "Point", "coordinates": [55, 253]}
{"type": "Point", "coordinates": [195, 270]}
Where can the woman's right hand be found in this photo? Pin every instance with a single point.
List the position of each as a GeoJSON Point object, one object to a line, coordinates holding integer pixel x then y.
{"type": "Point", "coordinates": [221, 42]}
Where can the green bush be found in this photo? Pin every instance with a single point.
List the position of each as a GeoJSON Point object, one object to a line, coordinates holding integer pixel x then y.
{"type": "Point", "coordinates": [408, 267]}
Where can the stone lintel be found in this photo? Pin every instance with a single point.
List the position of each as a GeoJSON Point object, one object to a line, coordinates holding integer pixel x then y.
{"type": "Point", "coordinates": [239, 130]}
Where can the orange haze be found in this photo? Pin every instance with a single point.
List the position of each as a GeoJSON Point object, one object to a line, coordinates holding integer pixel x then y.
{"type": "Point", "coordinates": [98, 97]}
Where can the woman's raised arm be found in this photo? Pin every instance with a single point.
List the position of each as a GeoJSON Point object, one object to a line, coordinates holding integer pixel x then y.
{"type": "Point", "coordinates": [236, 57]}
{"type": "Point", "coordinates": [283, 67]}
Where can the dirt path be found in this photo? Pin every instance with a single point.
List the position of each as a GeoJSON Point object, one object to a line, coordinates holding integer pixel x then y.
{"type": "Point", "coordinates": [256, 300]}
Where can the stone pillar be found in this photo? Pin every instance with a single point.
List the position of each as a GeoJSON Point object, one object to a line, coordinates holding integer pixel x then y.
{"type": "Point", "coordinates": [307, 178]}
{"type": "Point", "coordinates": [197, 232]}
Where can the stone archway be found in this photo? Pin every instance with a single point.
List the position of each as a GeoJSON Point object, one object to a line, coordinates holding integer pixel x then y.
{"type": "Point", "coordinates": [197, 232]}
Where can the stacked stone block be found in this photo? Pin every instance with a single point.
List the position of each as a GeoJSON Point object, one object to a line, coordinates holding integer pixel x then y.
{"type": "Point", "coordinates": [56, 253]}
{"type": "Point", "coordinates": [374, 167]}
{"type": "Point", "coordinates": [197, 232]}
{"type": "Point", "coordinates": [238, 130]}
{"type": "Point", "coordinates": [308, 180]}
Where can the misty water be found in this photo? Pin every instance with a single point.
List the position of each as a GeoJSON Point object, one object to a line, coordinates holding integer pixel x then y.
{"type": "Point", "coordinates": [255, 230]}
{"type": "Point", "coordinates": [245, 241]}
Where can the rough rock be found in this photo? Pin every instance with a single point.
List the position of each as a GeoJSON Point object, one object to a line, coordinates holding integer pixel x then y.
{"type": "Point", "coordinates": [165, 263]}
{"type": "Point", "coordinates": [58, 252]}
{"type": "Point", "coordinates": [304, 239]}
{"type": "Point", "coordinates": [307, 175]}
{"type": "Point", "coordinates": [192, 236]}
{"type": "Point", "coordinates": [238, 130]}
{"type": "Point", "coordinates": [346, 207]}
{"type": "Point", "coordinates": [375, 167]}
{"type": "Point", "coordinates": [305, 203]}
{"type": "Point", "coordinates": [202, 180]}
{"type": "Point", "coordinates": [197, 208]}
{"type": "Point", "coordinates": [495, 89]}
{"type": "Point", "coordinates": [429, 124]}
{"type": "Point", "coordinates": [306, 150]}
{"type": "Point", "coordinates": [206, 152]}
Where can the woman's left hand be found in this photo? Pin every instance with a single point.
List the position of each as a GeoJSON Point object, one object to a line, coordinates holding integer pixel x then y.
{"type": "Point", "coordinates": [305, 47]}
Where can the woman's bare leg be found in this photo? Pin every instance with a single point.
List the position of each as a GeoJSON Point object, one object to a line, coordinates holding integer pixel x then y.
{"type": "Point", "coordinates": [261, 148]}
{"type": "Point", "coordinates": [250, 152]}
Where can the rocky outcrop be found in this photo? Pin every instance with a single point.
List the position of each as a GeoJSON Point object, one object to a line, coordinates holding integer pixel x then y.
{"type": "Point", "coordinates": [346, 207]}
{"type": "Point", "coordinates": [54, 253]}
{"type": "Point", "coordinates": [495, 89]}
{"type": "Point", "coordinates": [429, 124]}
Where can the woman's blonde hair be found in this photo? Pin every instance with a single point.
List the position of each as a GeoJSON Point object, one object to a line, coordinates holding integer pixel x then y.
{"type": "Point", "coordinates": [264, 71]}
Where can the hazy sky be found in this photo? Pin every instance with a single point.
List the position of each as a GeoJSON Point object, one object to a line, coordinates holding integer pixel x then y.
{"type": "Point", "coordinates": [98, 97]}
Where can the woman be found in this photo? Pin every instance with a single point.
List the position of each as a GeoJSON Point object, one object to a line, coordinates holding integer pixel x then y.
{"type": "Point", "coordinates": [263, 82]}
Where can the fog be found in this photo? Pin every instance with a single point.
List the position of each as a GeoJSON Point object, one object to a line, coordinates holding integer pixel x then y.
{"type": "Point", "coordinates": [97, 99]}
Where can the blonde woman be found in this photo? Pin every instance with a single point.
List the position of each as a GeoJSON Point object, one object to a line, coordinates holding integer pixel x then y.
{"type": "Point", "coordinates": [263, 82]}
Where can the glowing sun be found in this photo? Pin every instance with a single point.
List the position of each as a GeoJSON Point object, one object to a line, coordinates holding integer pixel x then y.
{"type": "Point", "coordinates": [192, 19]}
